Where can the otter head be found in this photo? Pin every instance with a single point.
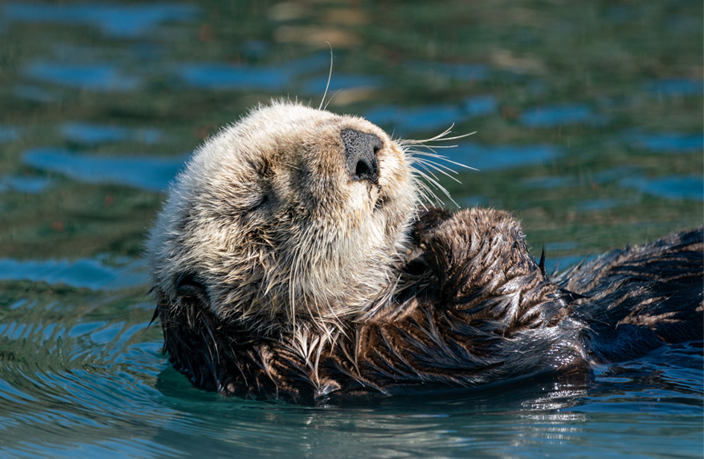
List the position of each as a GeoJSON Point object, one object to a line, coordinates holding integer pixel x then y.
{"type": "Point", "coordinates": [292, 215]}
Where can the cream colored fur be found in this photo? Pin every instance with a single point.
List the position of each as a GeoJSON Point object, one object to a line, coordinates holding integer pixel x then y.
{"type": "Point", "coordinates": [319, 248]}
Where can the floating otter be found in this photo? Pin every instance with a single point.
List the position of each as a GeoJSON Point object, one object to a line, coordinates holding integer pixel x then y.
{"type": "Point", "coordinates": [297, 257]}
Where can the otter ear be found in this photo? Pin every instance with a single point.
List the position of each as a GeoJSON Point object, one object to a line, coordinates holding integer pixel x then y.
{"type": "Point", "coordinates": [190, 289]}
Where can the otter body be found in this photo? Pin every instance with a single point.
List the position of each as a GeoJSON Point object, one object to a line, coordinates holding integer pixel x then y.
{"type": "Point", "coordinates": [295, 259]}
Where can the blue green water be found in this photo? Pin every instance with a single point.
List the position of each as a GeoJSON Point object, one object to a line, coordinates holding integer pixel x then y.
{"type": "Point", "coordinates": [588, 120]}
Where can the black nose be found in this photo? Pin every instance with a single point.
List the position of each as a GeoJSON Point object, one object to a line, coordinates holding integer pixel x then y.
{"type": "Point", "coordinates": [360, 151]}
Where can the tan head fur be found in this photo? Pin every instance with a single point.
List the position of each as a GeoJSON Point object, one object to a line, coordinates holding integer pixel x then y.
{"type": "Point", "coordinates": [268, 219]}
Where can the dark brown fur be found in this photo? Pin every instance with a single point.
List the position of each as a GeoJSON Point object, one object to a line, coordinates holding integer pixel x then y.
{"type": "Point", "coordinates": [471, 307]}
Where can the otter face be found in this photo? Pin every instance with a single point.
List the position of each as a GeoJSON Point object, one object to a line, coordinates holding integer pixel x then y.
{"type": "Point", "coordinates": [292, 214]}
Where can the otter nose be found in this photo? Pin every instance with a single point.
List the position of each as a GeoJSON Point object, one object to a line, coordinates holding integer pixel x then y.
{"type": "Point", "coordinates": [360, 152]}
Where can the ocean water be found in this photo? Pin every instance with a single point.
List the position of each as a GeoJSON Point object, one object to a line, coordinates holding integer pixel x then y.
{"type": "Point", "coordinates": [588, 120]}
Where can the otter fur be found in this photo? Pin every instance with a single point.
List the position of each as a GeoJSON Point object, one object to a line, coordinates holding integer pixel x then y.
{"type": "Point", "coordinates": [298, 256]}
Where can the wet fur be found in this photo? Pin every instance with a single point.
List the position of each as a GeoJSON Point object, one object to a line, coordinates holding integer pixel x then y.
{"type": "Point", "coordinates": [310, 299]}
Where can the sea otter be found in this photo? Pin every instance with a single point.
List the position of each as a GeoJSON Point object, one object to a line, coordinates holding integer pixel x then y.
{"type": "Point", "coordinates": [298, 255]}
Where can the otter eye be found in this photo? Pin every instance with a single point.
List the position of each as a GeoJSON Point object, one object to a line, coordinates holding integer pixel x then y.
{"type": "Point", "coordinates": [262, 202]}
{"type": "Point", "coordinates": [264, 169]}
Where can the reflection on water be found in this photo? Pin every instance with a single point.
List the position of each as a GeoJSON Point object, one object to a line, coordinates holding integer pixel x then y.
{"type": "Point", "coordinates": [672, 142]}
{"type": "Point", "coordinates": [95, 77]}
{"type": "Point", "coordinates": [597, 205]}
{"type": "Point", "coordinates": [480, 105]}
{"type": "Point", "coordinates": [487, 158]}
{"type": "Point", "coordinates": [238, 77]}
{"type": "Point", "coordinates": [550, 182]}
{"type": "Point", "coordinates": [35, 93]}
{"type": "Point", "coordinates": [559, 115]}
{"type": "Point", "coordinates": [588, 121]}
{"type": "Point", "coordinates": [429, 118]}
{"type": "Point", "coordinates": [31, 185]}
{"type": "Point", "coordinates": [456, 71]}
{"type": "Point", "coordinates": [615, 173]}
{"type": "Point", "coordinates": [149, 173]}
{"type": "Point", "coordinates": [671, 187]}
{"type": "Point", "coordinates": [85, 273]}
{"type": "Point", "coordinates": [342, 82]}
{"type": "Point", "coordinates": [95, 133]}
{"type": "Point", "coordinates": [7, 134]}
{"type": "Point", "coordinates": [675, 87]}
{"type": "Point", "coordinates": [120, 21]}
{"type": "Point", "coordinates": [224, 76]}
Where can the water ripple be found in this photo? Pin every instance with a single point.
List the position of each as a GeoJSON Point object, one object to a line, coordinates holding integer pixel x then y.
{"type": "Point", "coordinates": [94, 77]}
{"type": "Point", "coordinates": [667, 142]}
{"type": "Point", "coordinates": [90, 133]}
{"type": "Point", "coordinates": [675, 87]}
{"type": "Point", "coordinates": [492, 158]}
{"type": "Point", "coordinates": [220, 76]}
{"type": "Point", "coordinates": [675, 187]}
{"type": "Point", "coordinates": [147, 172]}
{"type": "Point", "coordinates": [117, 20]}
{"type": "Point", "coordinates": [560, 115]}
{"type": "Point", "coordinates": [31, 185]}
{"type": "Point", "coordinates": [81, 273]}
{"type": "Point", "coordinates": [8, 133]}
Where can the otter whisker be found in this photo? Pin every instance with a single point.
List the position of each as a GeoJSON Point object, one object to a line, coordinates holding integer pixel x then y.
{"type": "Point", "coordinates": [331, 98]}
{"type": "Point", "coordinates": [329, 78]}
{"type": "Point", "coordinates": [437, 185]}
{"type": "Point", "coordinates": [428, 171]}
{"type": "Point", "coordinates": [423, 197]}
{"type": "Point", "coordinates": [439, 137]}
{"type": "Point", "coordinates": [428, 194]}
{"type": "Point", "coordinates": [439, 167]}
{"type": "Point", "coordinates": [442, 158]}
{"type": "Point", "coordinates": [432, 147]}
{"type": "Point", "coordinates": [426, 168]}
{"type": "Point", "coordinates": [427, 165]}
{"type": "Point", "coordinates": [420, 185]}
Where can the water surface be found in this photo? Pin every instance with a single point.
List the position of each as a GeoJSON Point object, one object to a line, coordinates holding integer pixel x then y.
{"type": "Point", "coordinates": [588, 120]}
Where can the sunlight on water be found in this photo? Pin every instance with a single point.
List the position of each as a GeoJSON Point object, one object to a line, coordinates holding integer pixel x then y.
{"type": "Point", "coordinates": [559, 115]}
{"type": "Point", "coordinates": [671, 187]}
{"type": "Point", "coordinates": [87, 273]}
{"type": "Point", "coordinates": [95, 77]}
{"type": "Point", "coordinates": [116, 20]}
{"type": "Point", "coordinates": [665, 142]}
{"type": "Point", "coordinates": [588, 121]}
{"type": "Point", "coordinates": [150, 173]}
{"type": "Point", "coordinates": [487, 158]}
{"type": "Point", "coordinates": [95, 133]}
{"type": "Point", "coordinates": [23, 184]}
{"type": "Point", "coordinates": [238, 77]}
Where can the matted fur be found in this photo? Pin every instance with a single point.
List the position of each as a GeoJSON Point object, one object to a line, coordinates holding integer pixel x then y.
{"type": "Point", "coordinates": [279, 275]}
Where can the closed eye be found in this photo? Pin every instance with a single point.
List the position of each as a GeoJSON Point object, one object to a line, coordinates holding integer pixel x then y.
{"type": "Point", "coordinates": [259, 204]}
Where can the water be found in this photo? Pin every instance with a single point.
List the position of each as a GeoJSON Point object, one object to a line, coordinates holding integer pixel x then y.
{"type": "Point", "coordinates": [588, 121]}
